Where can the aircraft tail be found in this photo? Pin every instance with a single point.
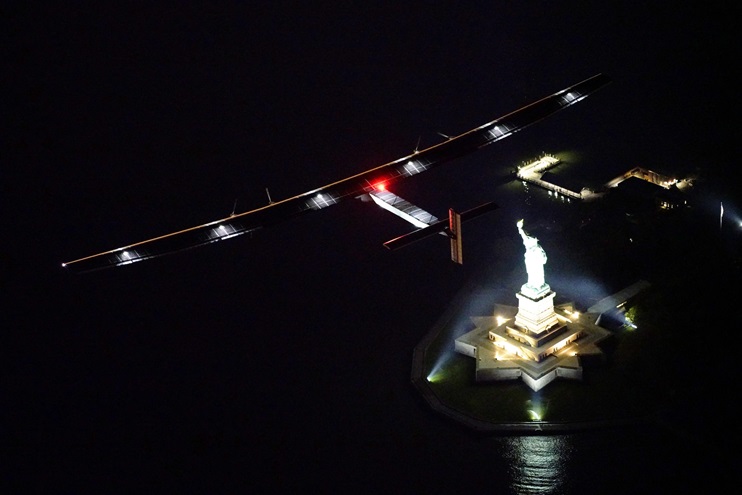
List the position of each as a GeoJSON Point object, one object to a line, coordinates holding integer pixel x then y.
{"type": "Point", "coordinates": [450, 227]}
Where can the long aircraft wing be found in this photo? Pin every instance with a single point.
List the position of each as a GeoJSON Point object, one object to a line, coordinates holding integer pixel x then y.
{"type": "Point", "coordinates": [351, 187]}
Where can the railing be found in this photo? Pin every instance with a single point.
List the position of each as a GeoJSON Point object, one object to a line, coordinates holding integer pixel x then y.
{"type": "Point", "coordinates": [553, 187]}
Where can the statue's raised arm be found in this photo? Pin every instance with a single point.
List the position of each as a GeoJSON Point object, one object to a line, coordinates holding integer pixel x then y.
{"type": "Point", "coordinates": [521, 231]}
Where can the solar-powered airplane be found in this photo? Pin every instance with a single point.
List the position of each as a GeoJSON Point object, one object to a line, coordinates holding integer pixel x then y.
{"type": "Point", "coordinates": [373, 184]}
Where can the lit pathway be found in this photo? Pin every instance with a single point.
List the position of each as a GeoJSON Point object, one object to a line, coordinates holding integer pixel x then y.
{"type": "Point", "coordinates": [533, 172]}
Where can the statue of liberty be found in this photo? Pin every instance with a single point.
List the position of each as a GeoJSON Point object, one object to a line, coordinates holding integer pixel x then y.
{"type": "Point", "coordinates": [535, 260]}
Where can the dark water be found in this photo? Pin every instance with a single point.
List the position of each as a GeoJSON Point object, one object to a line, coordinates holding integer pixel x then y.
{"type": "Point", "coordinates": [617, 462]}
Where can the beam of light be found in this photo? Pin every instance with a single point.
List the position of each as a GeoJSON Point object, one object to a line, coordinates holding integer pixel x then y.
{"type": "Point", "coordinates": [536, 407]}
{"type": "Point", "coordinates": [583, 290]}
{"type": "Point", "coordinates": [468, 302]}
{"type": "Point", "coordinates": [733, 217]}
{"type": "Point", "coordinates": [434, 376]}
{"type": "Point", "coordinates": [721, 213]}
{"type": "Point", "coordinates": [436, 371]}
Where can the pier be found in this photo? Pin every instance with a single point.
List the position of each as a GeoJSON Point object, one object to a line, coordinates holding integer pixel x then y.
{"type": "Point", "coordinates": [533, 172]}
{"type": "Point", "coordinates": [644, 174]}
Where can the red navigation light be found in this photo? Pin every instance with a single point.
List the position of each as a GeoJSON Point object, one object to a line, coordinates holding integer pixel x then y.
{"type": "Point", "coordinates": [380, 186]}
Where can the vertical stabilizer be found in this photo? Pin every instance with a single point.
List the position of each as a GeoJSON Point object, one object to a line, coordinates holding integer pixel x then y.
{"type": "Point", "coordinates": [454, 225]}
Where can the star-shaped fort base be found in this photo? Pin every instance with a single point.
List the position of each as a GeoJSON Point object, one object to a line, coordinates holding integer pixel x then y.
{"type": "Point", "coordinates": [505, 350]}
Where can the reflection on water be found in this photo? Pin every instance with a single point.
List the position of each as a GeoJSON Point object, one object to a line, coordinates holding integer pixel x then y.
{"type": "Point", "coordinates": [538, 464]}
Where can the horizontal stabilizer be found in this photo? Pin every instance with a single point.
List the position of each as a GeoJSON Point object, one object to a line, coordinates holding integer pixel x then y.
{"type": "Point", "coordinates": [439, 227]}
{"type": "Point", "coordinates": [435, 228]}
{"type": "Point", "coordinates": [478, 211]}
{"type": "Point", "coordinates": [403, 208]}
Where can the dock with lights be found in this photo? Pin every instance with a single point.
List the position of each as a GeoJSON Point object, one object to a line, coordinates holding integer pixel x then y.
{"type": "Point", "coordinates": [533, 172]}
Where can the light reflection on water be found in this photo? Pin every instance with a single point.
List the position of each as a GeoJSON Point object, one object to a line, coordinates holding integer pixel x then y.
{"type": "Point", "coordinates": [538, 464]}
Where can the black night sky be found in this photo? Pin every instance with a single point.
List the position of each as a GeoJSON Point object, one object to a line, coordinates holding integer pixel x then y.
{"type": "Point", "coordinates": [280, 363]}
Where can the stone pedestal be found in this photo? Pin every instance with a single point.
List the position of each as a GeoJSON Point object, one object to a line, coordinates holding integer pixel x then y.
{"type": "Point", "coordinates": [536, 314]}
